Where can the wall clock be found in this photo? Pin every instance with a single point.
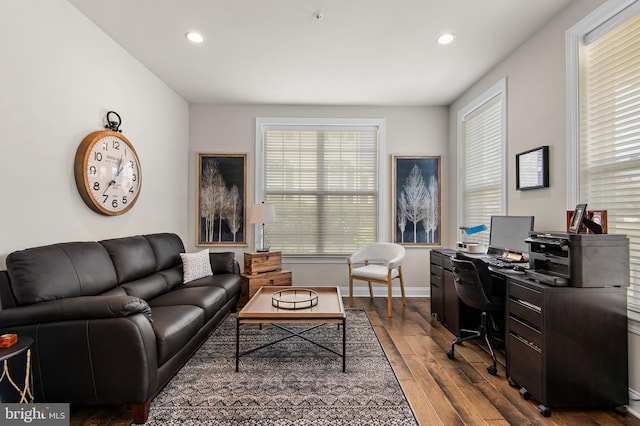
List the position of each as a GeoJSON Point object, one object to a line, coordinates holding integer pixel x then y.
{"type": "Point", "coordinates": [107, 171]}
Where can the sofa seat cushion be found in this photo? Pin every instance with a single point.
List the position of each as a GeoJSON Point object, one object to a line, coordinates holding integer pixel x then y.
{"type": "Point", "coordinates": [174, 326]}
{"type": "Point", "coordinates": [210, 299]}
{"type": "Point", "coordinates": [228, 282]}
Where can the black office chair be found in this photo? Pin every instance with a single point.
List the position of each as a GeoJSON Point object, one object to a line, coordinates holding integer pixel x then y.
{"type": "Point", "coordinates": [472, 280]}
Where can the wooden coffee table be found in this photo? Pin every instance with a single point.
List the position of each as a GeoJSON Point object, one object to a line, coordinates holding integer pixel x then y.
{"type": "Point", "coordinates": [260, 310]}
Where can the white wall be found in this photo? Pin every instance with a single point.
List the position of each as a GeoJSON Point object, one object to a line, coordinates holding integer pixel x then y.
{"type": "Point", "coordinates": [536, 112]}
{"type": "Point", "coordinates": [59, 75]}
{"type": "Point", "coordinates": [536, 115]}
{"type": "Point", "coordinates": [409, 130]}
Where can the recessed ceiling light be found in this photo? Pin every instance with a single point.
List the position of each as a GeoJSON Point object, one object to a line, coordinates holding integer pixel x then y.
{"type": "Point", "coordinates": [194, 37]}
{"type": "Point", "coordinates": [446, 38]}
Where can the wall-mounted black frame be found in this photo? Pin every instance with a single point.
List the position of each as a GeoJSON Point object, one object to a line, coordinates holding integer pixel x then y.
{"type": "Point", "coordinates": [532, 168]}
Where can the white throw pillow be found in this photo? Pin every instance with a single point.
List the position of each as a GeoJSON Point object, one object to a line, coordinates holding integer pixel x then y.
{"type": "Point", "coordinates": [195, 265]}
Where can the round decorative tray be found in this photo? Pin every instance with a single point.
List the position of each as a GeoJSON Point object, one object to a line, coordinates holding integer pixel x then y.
{"type": "Point", "coordinates": [295, 298]}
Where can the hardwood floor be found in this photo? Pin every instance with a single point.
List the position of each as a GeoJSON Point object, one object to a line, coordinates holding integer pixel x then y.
{"type": "Point", "coordinates": [440, 391]}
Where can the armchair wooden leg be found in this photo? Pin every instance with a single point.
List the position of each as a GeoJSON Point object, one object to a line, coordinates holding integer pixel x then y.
{"type": "Point", "coordinates": [350, 291]}
{"type": "Point", "coordinates": [370, 290]}
{"type": "Point", "coordinates": [404, 299]}
{"type": "Point", "coordinates": [389, 300]}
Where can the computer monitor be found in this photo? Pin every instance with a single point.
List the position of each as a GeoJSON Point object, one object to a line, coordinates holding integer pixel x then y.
{"type": "Point", "coordinates": [507, 234]}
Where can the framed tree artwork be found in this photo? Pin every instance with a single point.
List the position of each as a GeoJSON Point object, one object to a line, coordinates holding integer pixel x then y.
{"type": "Point", "coordinates": [221, 198]}
{"type": "Point", "coordinates": [416, 200]}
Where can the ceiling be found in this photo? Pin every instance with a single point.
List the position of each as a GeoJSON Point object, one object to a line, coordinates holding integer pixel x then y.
{"type": "Point", "coordinates": [362, 52]}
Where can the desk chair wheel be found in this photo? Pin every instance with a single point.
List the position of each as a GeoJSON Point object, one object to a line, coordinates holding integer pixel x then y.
{"type": "Point", "coordinates": [450, 354]}
{"type": "Point", "coordinates": [621, 409]}
{"type": "Point", "coordinates": [492, 370]}
{"type": "Point", "coordinates": [544, 410]}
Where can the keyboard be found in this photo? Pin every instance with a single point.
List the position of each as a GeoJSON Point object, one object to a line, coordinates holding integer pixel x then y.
{"type": "Point", "coordinates": [500, 264]}
{"type": "Point", "coordinates": [510, 260]}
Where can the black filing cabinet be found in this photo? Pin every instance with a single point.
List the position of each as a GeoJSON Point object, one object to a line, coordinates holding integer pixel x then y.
{"type": "Point", "coordinates": [567, 346]}
{"type": "Point", "coordinates": [445, 304]}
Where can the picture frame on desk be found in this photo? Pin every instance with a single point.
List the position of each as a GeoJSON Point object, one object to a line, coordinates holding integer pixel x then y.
{"type": "Point", "coordinates": [575, 224]}
{"type": "Point", "coordinates": [597, 216]}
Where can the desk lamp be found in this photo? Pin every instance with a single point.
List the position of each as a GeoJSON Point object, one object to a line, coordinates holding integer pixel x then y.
{"type": "Point", "coordinates": [470, 230]}
{"type": "Point", "coordinates": [261, 214]}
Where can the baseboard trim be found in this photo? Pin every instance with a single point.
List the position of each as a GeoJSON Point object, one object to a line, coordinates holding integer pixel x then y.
{"type": "Point", "coordinates": [381, 291]}
{"type": "Point", "coordinates": [634, 403]}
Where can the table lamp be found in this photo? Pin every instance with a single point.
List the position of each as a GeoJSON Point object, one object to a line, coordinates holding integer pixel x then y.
{"type": "Point", "coordinates": [261, 214]}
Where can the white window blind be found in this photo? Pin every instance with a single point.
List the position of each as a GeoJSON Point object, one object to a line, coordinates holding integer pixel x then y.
{"type": "Point", "coordinates": [481, 167]}
{"type": "Point", "coordinates": [324, 185]}
{"type": "Point", "coordinates": [609, 142]}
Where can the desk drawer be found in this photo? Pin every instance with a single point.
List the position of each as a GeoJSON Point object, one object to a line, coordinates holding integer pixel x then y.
{"type": "Point", "coordinates": [525, 366]}
{"type": "Point", "coordinates": [528, 333]}
{"type": "Point", "coordinates": [436, 259]}
{"type": "Point", "coordinates": [436, 270]}
{"type": "Point", "coordinates": [447, 264]}
{"type": "Point", "coordinates": [527, 294]}
{"type": "Point", "coordinates": [525, 313]}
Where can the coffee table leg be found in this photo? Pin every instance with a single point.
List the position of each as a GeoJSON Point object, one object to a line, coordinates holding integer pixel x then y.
{"type": "Point", "coordinates": [344, 345]}
{"type": "Point", "coordinates": [237, 343]}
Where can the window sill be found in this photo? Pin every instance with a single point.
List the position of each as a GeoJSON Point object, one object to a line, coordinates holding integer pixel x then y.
{"type": "Point", "coordinates": [633, 326]}
{"type": "Point", "coordinates": [335, 260]}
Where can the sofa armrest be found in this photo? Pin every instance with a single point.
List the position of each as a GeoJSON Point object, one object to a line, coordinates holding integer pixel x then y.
{"type": "Point", "coordinates": [75, 308]}
{"type": "Point", "coordinates": [103, 361]}
{"type": "Point", "coordinates": [224, 263]}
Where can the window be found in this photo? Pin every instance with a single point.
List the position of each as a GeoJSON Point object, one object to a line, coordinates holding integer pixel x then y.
{"type": "Point", "coordinates": [481, 147]}
{"type": "Point", "coordinates": [605, 142]}
{"type": "Point", "coordinates": [322, 177]}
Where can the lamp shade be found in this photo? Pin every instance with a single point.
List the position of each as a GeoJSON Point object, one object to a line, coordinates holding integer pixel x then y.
{"type": "Point", "coordinates": [263, 213]}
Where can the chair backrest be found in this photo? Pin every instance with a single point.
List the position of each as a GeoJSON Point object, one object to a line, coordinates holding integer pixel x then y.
{"type": "Point", "coordinates": [469, 286]}
{"type": "Point", "coordinates": [380, 252]}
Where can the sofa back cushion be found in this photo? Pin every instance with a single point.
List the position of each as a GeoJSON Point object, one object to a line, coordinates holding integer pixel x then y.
{"type": "Point", "coordinates": [167, 248]}
{"type": "Point", "coordinates": [222, 263]}
{"type": "Point", "coordinates": [132, 257]}
{"type": "Point", "coordinates": [147, 288]}
{"type": "Point", "coordinates": [58, 271]}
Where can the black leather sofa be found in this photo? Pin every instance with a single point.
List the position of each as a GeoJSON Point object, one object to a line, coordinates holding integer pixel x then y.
{"type": "Point", "coordinates": [112, 320]}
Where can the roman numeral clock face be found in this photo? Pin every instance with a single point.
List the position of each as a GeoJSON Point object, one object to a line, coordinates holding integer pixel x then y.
{"type": "Point", "coordinates": [107, 172]}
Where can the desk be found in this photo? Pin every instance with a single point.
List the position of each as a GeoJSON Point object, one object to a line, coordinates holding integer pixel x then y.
{"type": "Point", "coordinates": [565, 346]}
{"type": "Point", "coordinates": [446, 305]}
{"type": "Point", "coordinates": [24, 344]}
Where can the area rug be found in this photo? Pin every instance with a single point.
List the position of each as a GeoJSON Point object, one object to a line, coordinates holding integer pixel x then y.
{"type": "Point", "coordinates": [291, 383]}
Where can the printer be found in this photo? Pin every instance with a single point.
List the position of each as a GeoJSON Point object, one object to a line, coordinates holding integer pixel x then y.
{"type": "Point", "coordinates": [578, 260]}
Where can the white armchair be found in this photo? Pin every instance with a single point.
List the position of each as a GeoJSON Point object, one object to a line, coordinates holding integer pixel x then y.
{"type": "Point", "coordinates": [381, 264]}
